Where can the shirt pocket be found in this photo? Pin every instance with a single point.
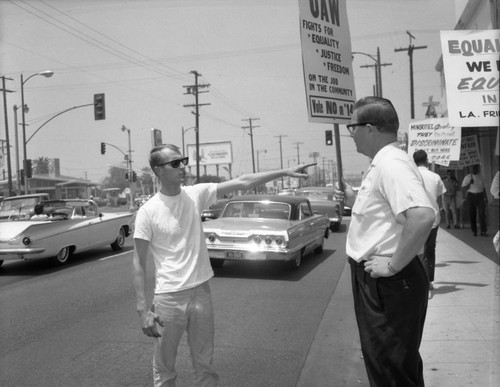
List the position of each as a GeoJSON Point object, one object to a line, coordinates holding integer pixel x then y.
{"type": "Point", "coordinates": [361, 201]}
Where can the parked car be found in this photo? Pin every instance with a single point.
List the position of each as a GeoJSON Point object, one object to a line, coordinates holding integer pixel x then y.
{"type": "Point", "coordinates": [214, 211]}
{"type": "Point", "coordinates": [324, 201]}
{"type": "Point", "coordinates": [20, 207]}
{"type": "Point", "coordinates": [64, 227]}
{"type": "Point", "coordinates": [264, 228]}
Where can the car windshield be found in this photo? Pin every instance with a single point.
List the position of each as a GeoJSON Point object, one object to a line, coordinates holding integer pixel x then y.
{"type": "Point", "coordinates": [316, 195]}
{"type": "Point", "coordinates": [267, 210]}
{"type": "Point", "coordinates": [13, 204]}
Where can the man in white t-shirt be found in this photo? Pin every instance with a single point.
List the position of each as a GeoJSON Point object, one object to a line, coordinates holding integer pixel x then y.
{"type": "Point", "coordinates": [168, 229]}
{"type": "Point", "coordinates": [435, 188]}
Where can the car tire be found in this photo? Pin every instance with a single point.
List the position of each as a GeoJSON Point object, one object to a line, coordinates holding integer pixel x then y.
{"type": "Point", "coordinates": [319, 249]}
{"type": "Point", "coordinates": [119, 242]}
{"type": "Point", "coordinates": [294, 263]}
{"type": "Point", "coordinates": [62, 256]}
{"type": "Point", "coordinates": [216, 262]}
{"type": "Point", "coordinates": [335, 227]}
{"type": "Point", "coordinates": [1, 262]}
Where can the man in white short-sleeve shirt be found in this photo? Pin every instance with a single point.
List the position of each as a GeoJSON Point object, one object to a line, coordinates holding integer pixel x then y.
{"type": "Point", "coordinates": [391, 218]}
{"type": "Point", "coordinates": [168, 229]}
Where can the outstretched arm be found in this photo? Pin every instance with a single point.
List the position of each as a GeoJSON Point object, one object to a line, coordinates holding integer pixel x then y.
{"type": "Point", "coordinates": [245, 182]}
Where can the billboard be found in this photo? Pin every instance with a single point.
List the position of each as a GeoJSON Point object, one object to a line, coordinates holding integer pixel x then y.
{"type": "Point", "coordinates": [327, 61]}
{"type": "Point", "coordinates": [211, 153]}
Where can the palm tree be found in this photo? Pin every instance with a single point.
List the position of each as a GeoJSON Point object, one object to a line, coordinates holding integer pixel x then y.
{"type": "Point", "coordinates": [41, 166]}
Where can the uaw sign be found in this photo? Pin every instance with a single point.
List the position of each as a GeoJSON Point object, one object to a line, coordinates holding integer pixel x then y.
{"type": "Point", "coordinates": [327, 60]}
{"type": "Point", "coordinates": [471, 62]}
{"type": "Point", "coordinates": [437, 137]}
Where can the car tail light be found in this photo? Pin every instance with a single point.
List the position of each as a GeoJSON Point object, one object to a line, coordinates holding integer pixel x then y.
{"type": "Point", "coordinates": [257, 239]}
{"type": "Point", "coordinates": [279, 241]}
{"type": "Point", "coordinates": [268, 240]}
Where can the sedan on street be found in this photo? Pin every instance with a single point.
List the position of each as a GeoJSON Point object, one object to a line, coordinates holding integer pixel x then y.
{"type": "Point", "coordinates": [265, 227]}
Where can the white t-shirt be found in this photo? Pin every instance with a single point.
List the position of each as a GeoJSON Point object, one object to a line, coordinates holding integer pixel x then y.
{"type": "Point", "coordinates": [172, 225]}
{"type": "Point", "coordinates": [391, 185]}
{"type": "Point", "coordinates": [434, 187]}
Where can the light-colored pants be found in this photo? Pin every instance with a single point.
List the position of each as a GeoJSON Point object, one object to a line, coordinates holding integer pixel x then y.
{"type": "Point", "coordinates": [450, 203]}
{"type": "Point", "coordinates": [189, 310]}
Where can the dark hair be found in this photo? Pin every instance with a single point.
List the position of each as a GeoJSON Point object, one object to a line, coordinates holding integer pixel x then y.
{"type": "Point", "coordinates": [38, 208]}
{"type": "Point", "coordinates": [154, 154]}
{"type": "Point", "coordinates": [379, 112]}
{"type": "Point", "coordinates": [420, 157]}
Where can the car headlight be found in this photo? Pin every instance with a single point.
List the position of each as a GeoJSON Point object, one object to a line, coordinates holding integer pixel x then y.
{"type": "Point", "coordinates": [26, 241]}
{"type": "Point", "coordinates": [211, 238]}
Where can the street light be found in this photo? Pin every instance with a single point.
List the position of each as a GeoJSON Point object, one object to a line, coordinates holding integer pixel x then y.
{"type": "Point", "coordinates": [378, 71]}
{"type": "Point", "coordinates": [129, 167]}
{"type": "Point", "coordinates": [46, 74]}
{"type": "Point", "coordinates": [18, 170]}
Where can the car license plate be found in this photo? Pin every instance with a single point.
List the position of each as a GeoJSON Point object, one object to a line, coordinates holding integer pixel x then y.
{"type": "Point", "coordinates": [234, 255]}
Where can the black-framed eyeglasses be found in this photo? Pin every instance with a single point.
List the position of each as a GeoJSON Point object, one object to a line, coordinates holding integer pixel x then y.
{"type": "Point", "coordinates": [352, 127]}
{"type": "Point", "coordinates": [176, 163]}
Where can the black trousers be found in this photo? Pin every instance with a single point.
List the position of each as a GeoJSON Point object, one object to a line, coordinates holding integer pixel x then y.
{"type": "Point", "coordinates": [477, 205]}
{"type": "Point", "coordinates": [430, 253]}
{"type": "Point", "coordinates": [390, 313]}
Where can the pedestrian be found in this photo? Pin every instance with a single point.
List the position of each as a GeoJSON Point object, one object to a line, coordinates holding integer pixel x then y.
{"type": "Point", "coordinates": [450, 199]}
{"type": "Point", "coordinates": [391, 218]}
{"type": "Point", "coordinates": [473, 185]}
{"type": "Point", "coordinates": [435, 189]}
{"type": "Point", "coordinates": [168, 229]}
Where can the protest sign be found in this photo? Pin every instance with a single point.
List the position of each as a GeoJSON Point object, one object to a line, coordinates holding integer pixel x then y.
{"type": "Point", "coordinates": [471, 68]}
{"type": "Point", "coordinates": [327, 60]}
{"type": "Point", "coordinates": [437, 137]}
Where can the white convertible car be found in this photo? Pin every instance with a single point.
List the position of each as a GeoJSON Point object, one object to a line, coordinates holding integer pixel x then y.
{"type": "Point", "coordinates": [63, 228]}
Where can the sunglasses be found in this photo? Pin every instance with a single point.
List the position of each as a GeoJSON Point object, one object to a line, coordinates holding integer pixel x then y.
{"type": "Point", "coordinates": [176, 163]}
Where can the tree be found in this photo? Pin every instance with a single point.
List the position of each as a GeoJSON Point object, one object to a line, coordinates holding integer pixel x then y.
{"type": "Point", "coordinates": [115, 178]}
{"type": "Point", "coordinates": [41, 166]}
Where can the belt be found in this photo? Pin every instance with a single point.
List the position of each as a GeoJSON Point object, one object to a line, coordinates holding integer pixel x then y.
{"type": "Point", "coordinates": [356, 263]}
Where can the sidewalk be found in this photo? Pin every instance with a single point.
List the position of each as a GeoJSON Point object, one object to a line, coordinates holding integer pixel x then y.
{"type": "Point", "coordinates": [461, 343]}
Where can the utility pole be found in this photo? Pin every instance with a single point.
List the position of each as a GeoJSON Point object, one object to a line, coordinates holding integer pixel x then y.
{"type": "Point", "coordinates": [410, 49]}
{"type": "Point", "coordinates": [7, 141]}
{"type": "Point", "coordinates": [314, 156]}
{"type": "Point", "coordinates": [194, 89]}
{"type": "Point", "coordinates": [251, 137]}
{"type": "Point", "coordinates": [281, 157]}
{"type": "Point", "coordinates": [298, 159]}
{"type": "Point", "coordinates": [378, 72]}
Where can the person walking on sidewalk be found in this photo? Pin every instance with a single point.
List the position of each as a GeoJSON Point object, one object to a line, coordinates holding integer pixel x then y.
{"type": "Point", "coordinates": [392, 216]}
{"type": "Point", "coordinates": [450, 199]}
{"type": "Point", "coordinates": [435, 189]}
{"type": "Point", "coordinates": [473, 185]}
{"type": "Point", "coordinates": [168, 230]}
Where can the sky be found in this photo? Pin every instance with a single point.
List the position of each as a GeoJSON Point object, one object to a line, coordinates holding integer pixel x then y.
{"type": "Point", "coordinates": [141, 54]}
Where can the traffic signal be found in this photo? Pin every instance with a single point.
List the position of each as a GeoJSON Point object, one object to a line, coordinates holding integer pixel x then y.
{"type": "Point", "coordinates": [134, 176]}
{"type": "Point", "coordinates": [28, 168]}
{"type": "Point", "coordinates": [328, 137]}
{"type": "Point", "coordinates": [126, 176]}
{"type": "Point", "coordinates": [99, 107]}
{"type": "Point", "coordinates": [103, 148]}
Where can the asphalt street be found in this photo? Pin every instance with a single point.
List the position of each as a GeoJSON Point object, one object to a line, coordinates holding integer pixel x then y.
{"type": "Point", "coordinates": [77, 325]}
